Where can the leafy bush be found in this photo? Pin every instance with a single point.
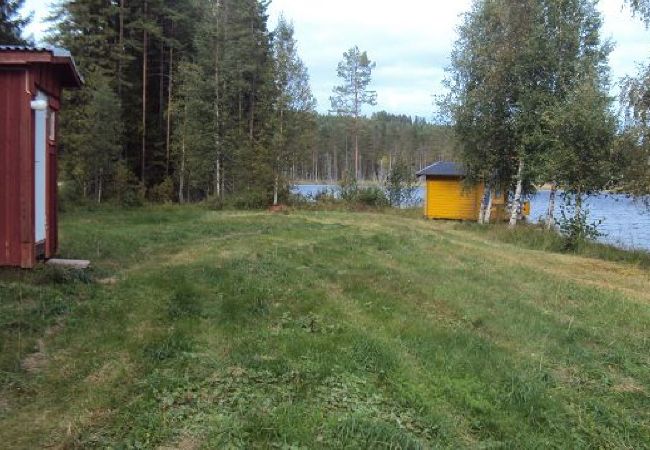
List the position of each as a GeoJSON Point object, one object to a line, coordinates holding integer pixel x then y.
{"type": "Point", "coordinates": [163, 192]}
{"type": "Point", "coordinates": [400, 185]}
{"type": "Point", "coordinates": [128, 189]}
{"type": "Point", "coordinates": [348, 189]}
{"type": "Point", "coordinates": [249, 199]}
{"type": "Point", "coordinates": [353, 195]}
{"type": "Point", "coordinates": [574, 223]}
{"type": "Point", "coordinates": [372, 196]}
{"type": "Point", "coordinates": [326, 196]}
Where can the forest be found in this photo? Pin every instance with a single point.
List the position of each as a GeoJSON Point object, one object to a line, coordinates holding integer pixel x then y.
{"type": "Point", "coordinates": [188, 100]}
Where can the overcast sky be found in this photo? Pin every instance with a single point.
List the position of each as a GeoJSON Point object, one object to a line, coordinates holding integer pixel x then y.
{"type": "Point", "coordinates": [410, 40]}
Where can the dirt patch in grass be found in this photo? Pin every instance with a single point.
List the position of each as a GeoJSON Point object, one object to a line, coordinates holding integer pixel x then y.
{"type": "Point", "coordinates": [628, 386]}
{"type": "Point", "coordinates": [109, 371]}
{"type": "Point", "coordinates": [37, 361]}
{"type": "Point", "coordinates": [185, 443]}
{"type": "Point", "coordinates": [110, 281]}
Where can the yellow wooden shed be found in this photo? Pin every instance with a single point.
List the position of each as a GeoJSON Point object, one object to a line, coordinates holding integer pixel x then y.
{"type": "Point", "coordinates": [447, 196]}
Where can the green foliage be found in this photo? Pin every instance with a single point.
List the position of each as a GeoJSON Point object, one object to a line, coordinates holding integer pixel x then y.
{"type": "Point", "coordinates": [634, 142]}
{"type": "Point", "coordinates": [348, 189]}
{"type": "Point", "coordinates": [348, 99]}
{"type": "Point", "coordinates": [12, 23]}
{"type": "Point", "coordinates": [355, 70]}
{"type": "Point", "coordinates": [250, 199]}
{"type": "Point", "coordinates": [128, 189]}
{"type": "Point", "coordinates": [640, 7]}
{"type": "Point", "coordinates": [92, 136]}
{"type": "Point", "coordinates": [580, 158]}
{"type": "Point", "coordinates": [163, 192]}
{"type": "Point", "coordinates": [354, 195]}
{"type": "Point", "coordinates": [574, 222]}
{"type": "Point", "coordinates": [400, 185]}
{"type": "Point", "coordinates": [502, 93]}
{"type": "Point", "coordinates": [372, 196]}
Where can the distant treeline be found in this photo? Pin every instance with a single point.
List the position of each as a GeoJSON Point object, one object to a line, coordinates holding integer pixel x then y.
{"type": "Point", "coordinates": [383, 139]}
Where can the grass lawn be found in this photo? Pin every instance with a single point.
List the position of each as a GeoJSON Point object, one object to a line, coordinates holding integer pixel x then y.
{"type": "Point", "coordinates": [200, 329]}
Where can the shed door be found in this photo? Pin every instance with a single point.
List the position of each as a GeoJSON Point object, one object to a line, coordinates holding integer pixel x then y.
{"type": "Point", "coordinates": [447, 199]}
{"type": "Point", "coordinates": [40, 169]}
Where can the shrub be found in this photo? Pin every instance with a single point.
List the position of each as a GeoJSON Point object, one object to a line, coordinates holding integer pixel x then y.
{"type": "Point", "coordinates": [373, 197]}
{"type": "Point", "coordinates": [574, 223]}
{"type": "Point", "coordinates": [163, 192]}
{"type": "Point", "coordinates": [348, 189]}
{"type": "Point", "coordinates": [400, 185]}
{"type": "Point", "coordinates": [128, 189]}
{"type": "Point", "coordinates": [249, 199]}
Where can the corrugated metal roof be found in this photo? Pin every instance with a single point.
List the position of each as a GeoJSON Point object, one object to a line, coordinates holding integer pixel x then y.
{"type": "Point", "coordinates": [57, 52]}
{"type": "Point", "coordinates": [444, 169]}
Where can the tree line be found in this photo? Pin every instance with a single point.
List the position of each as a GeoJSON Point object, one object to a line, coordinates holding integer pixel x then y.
{"type": "Point", "coordinates": [192, 99]}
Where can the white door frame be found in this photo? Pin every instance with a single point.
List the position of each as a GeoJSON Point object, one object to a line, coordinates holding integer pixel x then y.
{"type": "Point", "coordinates": [40, 107]}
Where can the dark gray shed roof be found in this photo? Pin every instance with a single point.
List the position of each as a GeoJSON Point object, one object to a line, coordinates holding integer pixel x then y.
{"type": "Point", "coordinates": [56, 52]}
{"type": "Point", "coordinates": [443, 169]}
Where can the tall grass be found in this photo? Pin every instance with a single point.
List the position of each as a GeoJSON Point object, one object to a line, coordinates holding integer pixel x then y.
{"type": "Point", "coordinates": [536, 237]}
{"type": "Point", "coordinates": [320, 329]}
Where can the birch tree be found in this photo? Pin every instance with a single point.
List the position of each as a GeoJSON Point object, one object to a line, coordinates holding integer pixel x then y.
{"type": "Point", "coordinates": [513, 63]}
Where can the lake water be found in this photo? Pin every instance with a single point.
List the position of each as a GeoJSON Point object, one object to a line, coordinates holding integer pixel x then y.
{"type": "Point", "coordinates": [626, 223]}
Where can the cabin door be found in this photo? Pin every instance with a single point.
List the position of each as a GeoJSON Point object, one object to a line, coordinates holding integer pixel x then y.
{"type": "Point", "coordinates": [40, 169]}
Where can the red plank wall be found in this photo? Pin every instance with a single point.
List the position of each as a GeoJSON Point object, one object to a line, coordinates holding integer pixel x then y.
{"type": "Point", "coordinates": [14, 154]}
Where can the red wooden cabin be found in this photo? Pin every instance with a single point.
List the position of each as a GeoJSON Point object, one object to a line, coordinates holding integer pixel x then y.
{"type": "Point", "coordinates": [31, 81]}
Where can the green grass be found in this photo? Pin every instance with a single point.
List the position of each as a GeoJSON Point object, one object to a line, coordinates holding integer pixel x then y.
{"type": "Point", "coordinates": [199, 329]}
{"type": "Point", "coordinates": [538, 238]}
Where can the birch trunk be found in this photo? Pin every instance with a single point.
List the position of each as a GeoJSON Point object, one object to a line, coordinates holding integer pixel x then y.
{"type": "Point", "coordinates": [145, 39]}
{"type": "Point", "coordinates": [169, 107]}
{"type": "Point", "coordinates": [481, 213]}
{"type": "Point", "coordinates": [357, 174]}
{"type": "Point", "coordinates": [181, 181]}
{"type": "Point", "coordinates": [516, 203]}
{"type": "Point", "coordinates": [550, 212]}
{"type": "Point", "coordinates": [121, 47]}
{"type": "Point", "coordinates": [276, 182]}
{"type": "Point", "coordinates": [578, 213]}
{"type": "Point", "coordinates": [488, 208]}
{"type": "Point", "coordinates": [100, 186]}
{"type": "Point", "coordinates": [217, 111]}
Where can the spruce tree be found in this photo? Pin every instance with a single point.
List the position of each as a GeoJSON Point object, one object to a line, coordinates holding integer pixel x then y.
{"type": "Point", "coordinates": [295, 105]}
{"type": "Point", "coordinates": [12, 23]}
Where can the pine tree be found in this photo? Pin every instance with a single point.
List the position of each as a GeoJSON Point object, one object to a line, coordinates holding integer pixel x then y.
{"type": "Point", "coordinates": [349, 98]}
